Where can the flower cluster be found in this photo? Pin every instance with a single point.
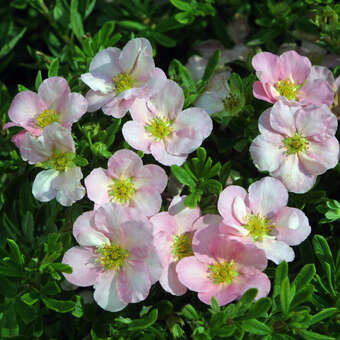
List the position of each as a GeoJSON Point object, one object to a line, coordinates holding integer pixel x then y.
{"type": "Point", "coordinates": [125, 243]}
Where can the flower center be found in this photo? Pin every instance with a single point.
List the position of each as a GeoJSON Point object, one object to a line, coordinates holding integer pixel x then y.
{"type": "Point", "coordinates": [258, 227]}
{"type": "Point", "coordinates": [112, 257]}
{"type": "Point", "coordinates": [47, 117]}
{"type": "Point", "coordinates": [182, 246]}
{"type": "Point", "coordinates": [159, 128]}
{"type": "Point", "coordinates": [223, 272]}
{"type": "Point", "coordinates": [296, 143]}
{"type": "Point", "coordinates": [122, 190]}
{"type": "Point", "coordinates": [123, 81]}
{"type": "Point", "coordinates": [61, 161]}
{"type": "Point", "coordinates": [287, 88]}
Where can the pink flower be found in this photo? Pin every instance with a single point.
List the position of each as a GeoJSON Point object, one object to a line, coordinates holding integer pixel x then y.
{"type": "Point", "coordinates": [116, 256]}
{"type": "Point", "coordinates": [117, 77]}
{"type": "Point", "coordinates": [216, 93]}
{"type": "Point", "coordinates": [296, 144]}
{"type": "Point", "coordinates": [223, 268]}
{"type": "Point", "coordinates": [54, 102]}
{"type": "Point", "coordinates": [128, 182]}
{"type": "Point", "coordinates": [288, 75]}
{"type": "Point", "coordinates": [173, 232]}
{"type": "Point", "coordinates": [262, 217]}
{"type": "Point", "coordinates": [160, 127]}
{"type": "Point", "coordinates": [54, 150]}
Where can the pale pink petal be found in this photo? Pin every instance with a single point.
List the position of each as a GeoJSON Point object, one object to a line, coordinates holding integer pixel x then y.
{"type": "Point", "coordinates": [316, 122]}
{"type": "Point", "coordinates": [165, 158]}
{"type": "Point", "coordinates": [33, 149]}
{"type": "Point", "coordinates": [68, 186]}
{"type": "Point", "coordinates": [266, 152]}
{"type": "Point", "coordinates": [96, 100]}
{"type": "Point", "coordinates": [117, 107]}
{"type": "Point", "coordinates": [222, 293]}
{"type": "Point", "coordinates": [196, 65]}
{"type": "Point", "coordinates": [267, 196]}
{"type": "Point", "coordinates": [147, 201]}
{"type": "Point", "coordinates": [124, 163]}
{"type": "Point", "coordinates": [190, 128]}
{"type": "Point", "coordinates": [316, 92]}
{"type": "Point", "coordinates": [154, 264]}
{"type": "Point", "coordinates": [73, 110]}
{"type": "Point", "coordinates": [97, 186]}
{"type": "Point", "coordinates": [168, 102]}
{"type": "Point", "coordinates": [83, 224]}
{"type": "Point", "coordinates": [85, 272]}
{"type": "Point", "coordinates": [98, 84]}
{"type": "Point", "coordinates": [292, 225]}
{"type": "Point", "coordinates": [54, 92]}
{"type": "Point", "coordinates": [260, 92]}
{"type": "Point", "coordinates": [140, 111]}
{"type": "Point", "coordinates": [294, 66]}
{"type": "Point", "coordinates": [210, 103]}
{"type": "Point", "coordinates": [57, 138]}
{"type": "Point", "coordinates": [43, 189]}
{"type": "Point", "coordinates": [135, 134]}
{"type": "Point", "coordinates": [240, 209]}
{"type": "Point", "coordinates": [151, 175]}
{"type": "Point", "coordinates": [294, 176]}
{"type": "Point", "coordinates": [157, 81]}
{"type": "Point", "coordinates": [169, 281]}
{"type": "Point", "coordinates": [208, 47]}
{"type": "Point", "coordinates": [25, 107]}
{"type": "Point", "coordinates": [194, 274]}
{"type": "Point", "coordinates": [319, 157]}
{"type": "Point", "coordinates": [321, 72]}
{"type": "Point", "coordinates": [106, 292]}
{"type": "Point", "coordinates": [225, 203]}
{"type": "Point", "coordinates": [256, 279]}
{"type": "Point", "coordinates": [206, 220]}
{"type": "Point", "coordinates": [282, 118]}
{"type": "Point", "coordinates": [133, 282]}
{"type": "Point", "coordinates": [18, 138]}
{"type": "Point", "coordinates": [267, 66]}
{"type": "Point", "coordinates": [105, 64]}
{"type": "Point", "coordinates": [136, 59]}
{"type": "Point", "coordinates": [277, 251]}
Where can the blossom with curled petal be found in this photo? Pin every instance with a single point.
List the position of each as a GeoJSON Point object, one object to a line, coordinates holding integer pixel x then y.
{"type": "Point", "coordinates": [160, 127]}
{"type": "Point", "coordinates": [262, 217]}
{"type": "Point", "coordinates": [128, 182]}
{"type": "Point", "coordinates": [54, 102]}
{"type": "Point", "coordinates": [173, 231]}
{"type": "Point", "coordinates": [117, 77]}
{"type": "Point", "coordinates": [115, 255]}
{"type": "Point", "coordinates": [222, 267]}
{"type": "Point", "coordinates": [297, 143]}
{"type": "Point", "coordinates": [289, 75]}
{"type": "Point", "coordinates": [54, 151]}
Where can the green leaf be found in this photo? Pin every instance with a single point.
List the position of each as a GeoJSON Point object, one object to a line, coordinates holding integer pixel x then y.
{"type": "Point", "coordinates": [6, 48]}
{"type": "Point", "coordinates": [164, 40]}
{"type": "Point", "coordinates": [285, 295]}
{"type": "Point", "coordinates": [132, 25]}
{"type": "Point", "coordinates": [308, 335]}
{"type": "Point", "coordinates": [26, 312]}
{"type": "Point", "coordinates": [38, 80]}
{"type": "Point", "coordinates": [322, 250]}
{"type": "Point", "coordinates": [192, 200]}
{"type": "Point", "coordinates": [15, 252]}
{"type": "Point", "coordinates": [182, 5]}
{"type": "Point", "coordinates": [61, 306]}
{"type": "Point", "coordinates": [189, 312]}
{"type": "Point", "coordinates": [183, 176]}
{"type": "Point", "coordinates": [145, 322]}
{"type": "Point", "coordinates": [213, 186]}
{"type": "Point", "coordinates": [254, 326]}
{"type": "Point", "coordinates": [305, 275]}
{"type": "Point", "coordinates": [211, 66]}
{"type": "Point", "coordinates": [248, 297]}
{"type": "Point", "coordinates": [30, 298]}
{"type": "Point", "coordinates": [76, 21]}
{"type": "Point", "coordinates": [22, 88]}
{"type": "Point", "coordinates": [324, 314]}
{"type": "Point", "coordinates": [53, 68]}
{"type": "Point", "coordinates": [303, 295]}
{"type": "Point", "coordinates": [201, 154]}
{"type": "Point", "coordinates": [8, 324]}
{"type": "Point", "coordinates": [281, 272]}
{"type": "Point", "coordinates": [215, 307]}
{"type": "Point", "coordinates": [259, 308]}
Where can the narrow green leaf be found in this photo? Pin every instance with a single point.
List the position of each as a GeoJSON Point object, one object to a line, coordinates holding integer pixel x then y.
{"type": "Point", "coordinates": [280, 273]}
{"type": "Point", "coordinates": [15, 252]}
{"type": "Point", "coordinates": [8, 324]}
{"type": "Point", "coordinates": [304, 276]}
{"type": "Point", "coordinates": [38, 80]}
{"type": "Point", "coordinates": [213, 186]}
{"type": "Point", "coordinates": [6, 48]}
{"type": "Point", "coordinates": [308, 335]}
{"type": "Point", "coordinates": [248, 297]}
{"type": "Point", "coordinates": [322, 250]}
{"type": "Point", "coordinates": [76, 21]}
{"type": "Point", "coordinates": [211, 66]}
{"type": "Point", "coordinates": [145, 322]}
{"type": "Point", "coordinates": [132, 25]}
{"type": "Point", "coordinates": [183, 176]}
{"type": "Point", "coordinates": [189, 312]}
{"type": "Point", "coordinates": [324, 314]}
{"type": "Point", "coordinates": [284, 295]}
{"type": "Point", "coordinates": [182, 5]}
{"type": "Point", "coordinates": [30, 298]}
{"type": "Point", "coordinates": [61, 306]}
{"type": "Point", "coordinates": [215, 307]}
{"type": "Point", "coordinates": [163, 39]}
{"type": "Point", "coordinates": [192, 200]}
{"type": "Point", "coordinates": [53, 68]}
{"type": "Point", "coordinates": [201, 154]}
{"type": "Point", "coordinates": [259, 308]}
{"type": "Point", "coordinates": [254, 326]}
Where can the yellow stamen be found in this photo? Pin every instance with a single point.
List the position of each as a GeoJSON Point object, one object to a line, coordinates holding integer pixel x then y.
{"type": "Point", "coordinates": [159, 128]}
{"type": "Point", "coordinates": [112, 257]}
{"type": "Point", "coordinates": [182, 246]}
{"type": "Point", "coordinates": [295, 144]}
{"type": "Point", "coordinates": [258, 227]}
{"type": "Point", "coordinates": [287, 88]}
{"type": "Point", "coordinates": [47, 117]}
{"type": "Point", "coordinates": [122, 190]}
{"type": "Point", "coordinates": [61, 161]}
{"type": "Point", "coordinates": [123, 81]}
{"type": "Point", "coordinates": [223, 272]}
